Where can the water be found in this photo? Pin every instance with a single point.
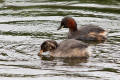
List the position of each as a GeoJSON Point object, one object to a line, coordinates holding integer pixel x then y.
{"type": "Point", "coordinates": [25, 24]}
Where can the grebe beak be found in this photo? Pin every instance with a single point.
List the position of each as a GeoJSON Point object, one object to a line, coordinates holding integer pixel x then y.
{"type": "Point", "coordinates": [60, 27]}
{"type": "Point", "coordinates": [41, 51]}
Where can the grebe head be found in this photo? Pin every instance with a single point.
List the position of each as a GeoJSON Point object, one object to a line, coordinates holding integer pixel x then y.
{"type": "Point", "coordinates": [48, 45]}
{"type": "Point", "coordinates": [68, 22]}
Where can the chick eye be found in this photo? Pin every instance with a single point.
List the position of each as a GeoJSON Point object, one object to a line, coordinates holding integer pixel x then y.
{"type": "Point", "coordinates": [52, 47]}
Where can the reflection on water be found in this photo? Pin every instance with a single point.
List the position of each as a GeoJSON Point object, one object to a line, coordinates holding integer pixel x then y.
{"type": "Point", "coordinates": [25, 24]}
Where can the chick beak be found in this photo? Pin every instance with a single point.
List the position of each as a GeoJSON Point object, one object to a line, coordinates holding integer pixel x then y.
{"type": "Point", "coordinates": [60, 27]}
{"type": "Point", "coordinates": [41, 51]}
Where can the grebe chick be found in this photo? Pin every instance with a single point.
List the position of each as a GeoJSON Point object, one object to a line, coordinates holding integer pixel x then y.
{"type": "Point", "coordinates": [66, 48]}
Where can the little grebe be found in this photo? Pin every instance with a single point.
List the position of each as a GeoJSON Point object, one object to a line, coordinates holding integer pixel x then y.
{"type": "Point", "coordinates": [66, 48]}
{"type": "Point", "coordinates": [86, 33]}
